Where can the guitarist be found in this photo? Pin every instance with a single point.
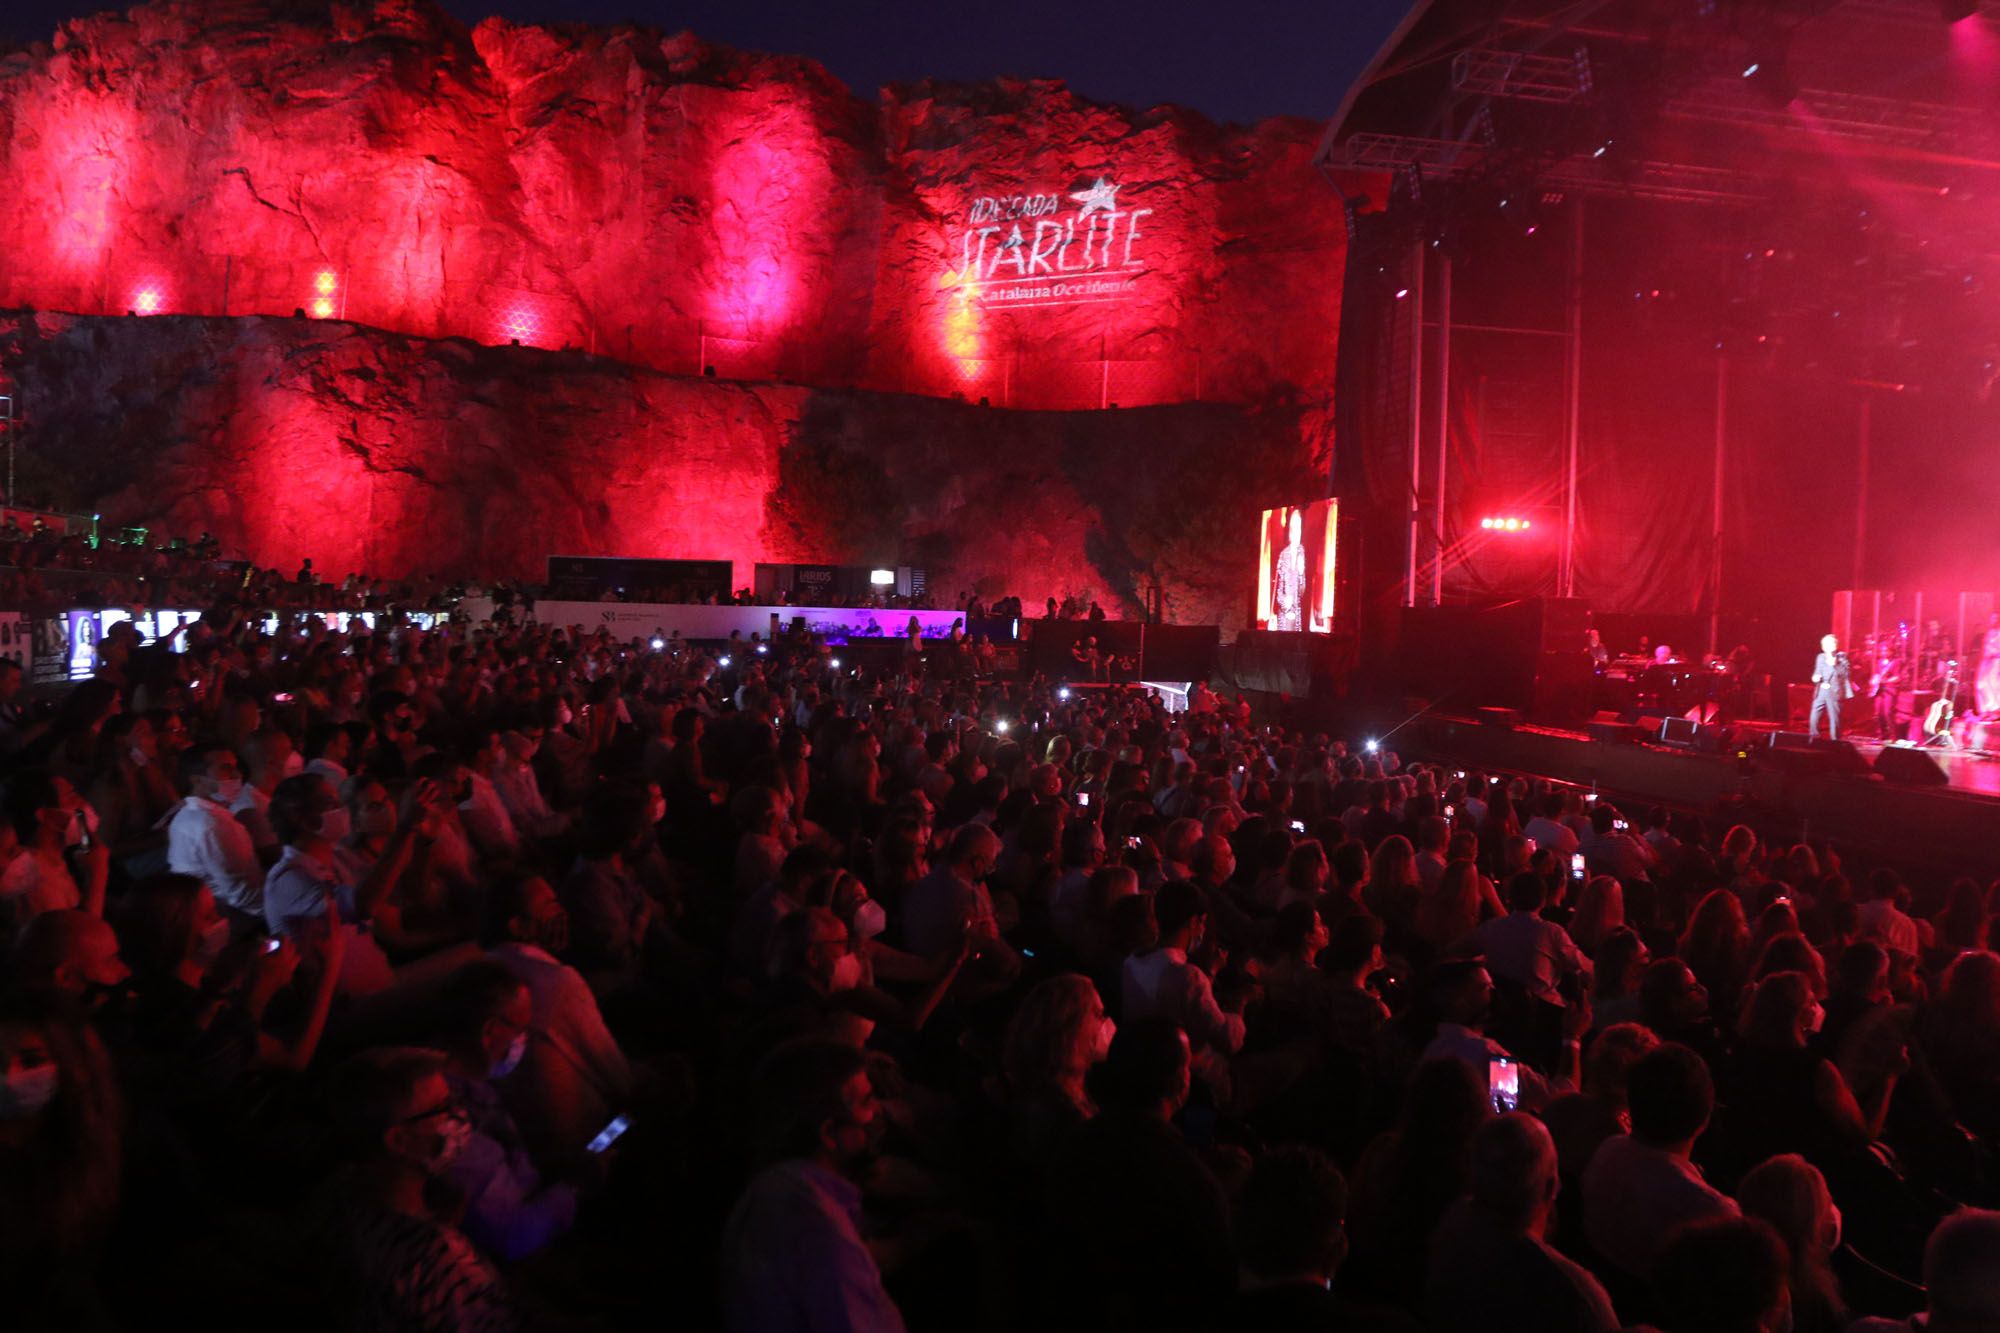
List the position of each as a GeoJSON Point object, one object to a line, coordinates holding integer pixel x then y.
{"type": "Point", "coordinates": [1832, 686]}
{"type": "Point", "coordinates": [1886, 687]}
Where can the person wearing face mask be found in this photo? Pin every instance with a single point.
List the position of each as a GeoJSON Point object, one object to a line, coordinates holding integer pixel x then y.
{"type": "Point", "coordinates": [71, 956]}
{"type": "Point", "coordinates": [133, 794]}
{"type": "Point", "coordinates": [1055, 1038]}
{"type": "Point", "coordinates": [819, 981]}
{"type": "Point", "coordinates": [511, 1210]}
{"type": "Point", "coordinates": [60, 1165]}
{"type": "Point", "coordinates": [573, 1075]}
{"type": "Point", "coordinates": [481, 810]}
{"type": "Point", "coordinates": [406, 1265]}
{"type": "Point", "coordinates": [793, 1256]}
{"type": "Point", "coordinates": [205, 840]}
{"type": "Point", "coordinates": [49, 819]}
{"type": "Point", "coordinates": [513, 776]}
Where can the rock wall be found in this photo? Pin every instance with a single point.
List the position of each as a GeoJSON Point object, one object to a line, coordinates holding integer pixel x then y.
{"type": "Point", "coordinates": [378, 451]}
{"type": "Point", "coordinates": [665, 201]}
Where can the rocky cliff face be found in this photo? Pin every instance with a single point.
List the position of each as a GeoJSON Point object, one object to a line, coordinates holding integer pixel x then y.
{"type": "Point", "coordinates": [665, 201]}
{"type": "Point", "coordinates": [375, 451]}
{"type": "Point", "coordinates": [649, 208]}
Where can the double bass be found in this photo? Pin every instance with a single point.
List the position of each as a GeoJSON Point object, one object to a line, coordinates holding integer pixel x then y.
{"type": "Point", "coordinates": [1938, 719]}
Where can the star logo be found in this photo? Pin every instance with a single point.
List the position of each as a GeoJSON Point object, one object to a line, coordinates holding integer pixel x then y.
{"type": "Point", "coordinates": [1014, 241]}
{"type": "Point", "coordinates": [1103, 196]}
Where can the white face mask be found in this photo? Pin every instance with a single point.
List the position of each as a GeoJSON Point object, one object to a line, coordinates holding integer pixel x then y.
{"type": "Point", "coordinates": [26, 1092]}
{"type": "Point", "coordinates": [1100, 1048]}
{"type": "Point", "coordinates": [869, 919]}
{"type": "Point", "coordinates": [227, 790]}
{"type": "Point", "coordinates": [507, 1063]}
{"type": "Point", "coordinates": [846, 972]}
{"type": "Point", "coordinates": [139, 759]}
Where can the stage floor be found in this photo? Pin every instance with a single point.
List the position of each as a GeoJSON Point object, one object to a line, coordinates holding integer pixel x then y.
{"type": "Point", "coordinates": [1969, 770]}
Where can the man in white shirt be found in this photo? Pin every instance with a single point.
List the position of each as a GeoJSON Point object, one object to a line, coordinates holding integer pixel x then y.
{"type": "Point", "coordinates": [1546, 829]}
{"type": "Point", "coordinates": [1463, 993]}
{"type": "Point", "coordinates": [1433, 835]}
{"type": "Point", "coordinates": [1639, 1188]}
{"type": "Point", "coordinates": [1610, 850]}
{"type": "Point", "coordinates": [205, 840]}
{"type": "Point", "coordinates": [1164, 984]}
{"type": "Point", "coordinates": [1884, 922]}
{"type": "Point", "coordinates": [1532, 953]}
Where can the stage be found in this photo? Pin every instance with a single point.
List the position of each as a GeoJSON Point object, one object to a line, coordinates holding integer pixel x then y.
{"type": "Point", "coordinates": [1817, 794]}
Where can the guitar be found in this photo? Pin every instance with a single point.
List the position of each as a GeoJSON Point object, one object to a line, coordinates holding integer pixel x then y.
{"type": "Point", "coordinates": [1937, 722]}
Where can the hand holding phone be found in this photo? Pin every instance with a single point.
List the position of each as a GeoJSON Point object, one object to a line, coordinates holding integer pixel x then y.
{"type": "Point", "coordinates": [1576, 867]}
{"type": "Point", "coordinates": [1503, 1084]}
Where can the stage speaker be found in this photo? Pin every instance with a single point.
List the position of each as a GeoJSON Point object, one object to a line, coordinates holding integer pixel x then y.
{"type": "Point", "coordinates": [1682, 733]}
{"type": "Point", "coordinates": [1504, 718]}
{"type": "Point", "coordinates": [1613, 732]}
{"type": "Point", "coordinates": [1796, 752]}
{"type": "Point", "coordinates": [1913, 767]}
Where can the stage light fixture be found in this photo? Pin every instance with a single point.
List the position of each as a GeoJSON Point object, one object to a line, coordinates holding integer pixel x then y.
{"type": "Point", "coordinates": [322, 307]}
{"type": "Point", "coordinates": [723, 661]}
{"type": "Point", "coordinates": [835, 662]}
{"type": "Point", "coordinates": [881, 578]}
{"type": "Point", "coordinates": [658, 643]}
{"type": "Point", "coordinates": [1063, 694]}
{"type": "Point", "coordinates": [1505, 523]}
{"type": "Point", "coordinates": [147, 300]}
{"type": "Point", "coordinates": [1370, 746]}
{"type": "Point", "coordinates": [1402, 292]}
{"type": "Point", "coordinates": [326, 282]}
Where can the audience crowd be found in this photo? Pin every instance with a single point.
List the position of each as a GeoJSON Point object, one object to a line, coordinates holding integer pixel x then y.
{"type": "Point", "coordinates": [517, 977]}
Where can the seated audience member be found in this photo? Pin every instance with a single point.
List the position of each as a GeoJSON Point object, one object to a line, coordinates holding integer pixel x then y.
{"type": "Point", "coordinates": [1164, 983]}
{"type": "Point", "coordinates": [62, 1134]}
{"type": "Point", "coordinates": [1883, 919]}
{"type": "Point", "coordinates": [1408, 1176]}
{"type": "Point", "coordinates": [1580, 1122]}
{"type": "Point", "coordinates": [1290, 1242]}
{"type": "Point", "coordinates": [1490, 1266]}
{"type": "Point", "coordinates": [205, 840]}
{"type": "Point", "coordinates": [793, 1256]}
{"type": "Point", "coordinates": [1463, 997]}
{"type": "Point", "coordinates": [611, 920]}
{"type": "Point", "coordinates": [1643, 1185]}
{"type": "Point", "coordinates": [1961, 1279]}
{"type": "Point", "coordinates": [573, 1076]}
{"type": "Point", "coordinates": [1789, 1193]}
{"type": "Point", "coordinates": [405, 1265]}
{"type": "Point", "coordinates": [511, 1211]}
{"type": "Point", "coordinates": [1616, 971]}
{"type": "Point", "coordinates": [46, 814]}
{"type": "Point", "coordinates": [1141, 1224]}
{"type": "Point", "coordinates": [1056, 1037]}
{"type": "Point", "coordinates": [1351, 1009]}
{"type": "Point", "coordinates": [1536, 955]}
{"type": "Point", "coordinates": [1724, 1275]}
{"type": "Point", "coordinates": [71, 956]}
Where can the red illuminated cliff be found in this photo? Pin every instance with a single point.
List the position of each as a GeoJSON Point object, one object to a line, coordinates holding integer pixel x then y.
{"type": "Point", "coordinates": [664, 201]}
{"type": "Point", "coordinates": [392, 454]}
{"type": "Point", "coordinates": [648, 208]}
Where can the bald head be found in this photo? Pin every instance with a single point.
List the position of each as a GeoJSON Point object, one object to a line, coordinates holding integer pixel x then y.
{"type": "Point", "coordinates": [1513, 1170]}
{"type": "Point", "coordinates": [973, 851]}
{"type": "Point", "coordinates": [66, 953]}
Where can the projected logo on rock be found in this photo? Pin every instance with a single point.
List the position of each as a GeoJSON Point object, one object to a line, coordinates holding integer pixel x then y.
{"type": "Point", "coordinates": [1016, 250]}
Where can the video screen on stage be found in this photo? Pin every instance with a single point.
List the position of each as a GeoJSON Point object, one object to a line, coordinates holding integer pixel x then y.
{"type": "Point", "coordinates": [1295, 567]}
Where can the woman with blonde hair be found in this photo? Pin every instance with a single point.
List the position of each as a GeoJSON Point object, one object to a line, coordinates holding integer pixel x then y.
{"type": "Point", "coordinates": [1599, 911]}
{"type": "Point", "coordinates": [1393, 885]}
{"type": "Point", "coordinates": [1788, 1192]}
{"type": "Point", "coordinates": [1452, 911]}
{"type": "Point", "coordinates": [1057, 1034]}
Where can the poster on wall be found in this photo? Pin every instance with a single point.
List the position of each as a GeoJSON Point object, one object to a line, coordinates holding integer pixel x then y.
{"type": "Point", "coordinates": [1295, 567]}
{"type": "Point", "coordinates": [16, 637]}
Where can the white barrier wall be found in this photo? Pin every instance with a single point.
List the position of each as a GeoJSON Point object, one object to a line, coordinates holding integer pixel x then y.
{"type": "Point", "coordinates": [635, 620]}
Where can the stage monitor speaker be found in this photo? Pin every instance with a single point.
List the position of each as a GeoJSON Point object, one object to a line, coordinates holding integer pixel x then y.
{"type": "Point", "coordinates": [1794, 751]}
{"type": "Point", "coordinates": [1607, 728]}
{"type": "Point", "coordinates": [1915, 768]}
{"type": "Point", "coordinates": [1686, 734]}
{"type": "Point", "coordinates": [1504, 718]}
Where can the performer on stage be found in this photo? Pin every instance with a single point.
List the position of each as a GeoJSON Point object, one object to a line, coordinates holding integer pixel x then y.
{"type": "Point", "coordinates": [1288, 595]}
{"type": "Point", "coordinates": [1832, 687]}
{"type": "Point", "coordinates": [1986, 684]}
{"type": "Point", "coordinates": [1886, 686]}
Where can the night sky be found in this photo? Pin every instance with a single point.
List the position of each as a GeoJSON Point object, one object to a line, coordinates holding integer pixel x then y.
{"type": "Point", "coordinates": [1238, 61]}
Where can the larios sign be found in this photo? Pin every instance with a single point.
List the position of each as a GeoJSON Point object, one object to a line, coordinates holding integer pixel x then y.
{"type": "Point", "coordinates": [1018, 250]}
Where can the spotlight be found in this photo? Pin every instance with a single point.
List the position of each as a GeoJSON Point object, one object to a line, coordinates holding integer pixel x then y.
{"type": "Point", "coordinates": [658, 643]}
{"type": "Point", "coordinates": [836, 663]}
{"type": "Point", "coordinates": [1063, 694]}
{"type": "Point", "coordinates": [723, 661]}
{"type": "Point", "coordinates": [1371, 747]}
{"type": "Point", "coordinates": [1402, 292]}
{"type": "Point", "coordinates": [761, 650]}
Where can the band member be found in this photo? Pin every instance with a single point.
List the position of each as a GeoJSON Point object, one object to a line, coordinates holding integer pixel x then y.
{"type": "Point", "coordinates": [1288, 580]}
{"type": "Point", "coordinates": [1886, 686]}
{"type": "Point", "coordinates": [1600, 656]}
{"type": "Point", "coordinates": [1832, 687]}
{"type": "Point", "coordinates": [1986, 684]}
